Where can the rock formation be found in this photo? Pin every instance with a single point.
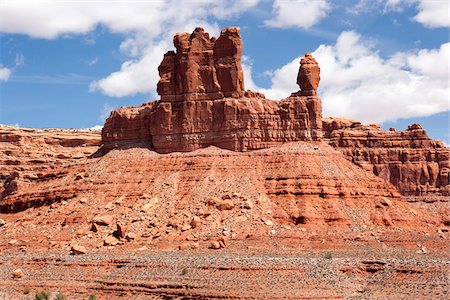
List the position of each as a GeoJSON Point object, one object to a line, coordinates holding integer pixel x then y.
{"type": "Point", "coordinates": [30, 155]}
{"type": "Point", "coordinates": [203, 103]}
{"type": "Point", "coordinates": [409, 159]}
{"type": "Point", "coordinates": [308, 76]}
{"type": "Point", "coordinates": [202, 67]}
{"type": "Point", "coordinates": [281, 212]}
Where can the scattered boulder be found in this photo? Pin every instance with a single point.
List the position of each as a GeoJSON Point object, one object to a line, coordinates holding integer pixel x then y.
{"type": "Point", "coordinates": [149, 206]}
{"type": "Point", "coordinates": [385, 201]}
{"type": "Point", "coordinates": [2, 223]}
{"type": "Point", "coordinates": [268, 222]}
{"type": "Point", "coordinates": [184, 246]}
{"type": "Point", "coordinates": [196, 222]}
{"type": "Point", "coordinates": [225, 205]}
{"type": "Point", "coordinates": [120, 231]}
{"type": "Point", "coordinates": [110, 241]}
{"type": "Point", "coordinates": [17, 274]}
{"type": "Point", "coordinates": [223, 240]}
{"type": "Point", "coordinates": [186, 227]}
{"type": "Point", "coordinates": [130, 236]}
{"type": "Point", "coordinates": [94, 227]}
{"type": "Point", "coordinates": [104, 220]}
{"type": "Point", "coordinates": [76, 249]}
{"type": "Point", "coordinates": [248, 204]}
{"type": "Point", "coordinates": [215, 245]}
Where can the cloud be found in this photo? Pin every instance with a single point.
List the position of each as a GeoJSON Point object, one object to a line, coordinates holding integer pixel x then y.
{"type": "Point", "coordinates": [297, 13]}
{"type": "Point", "coordinates": [64, 79]}
{"type": "Point", "coordinates": [147, 25]}
{"type": "Point", "coordinates": [358, 83]}
{"type": "Point", "coordinates": [19, 60]}
{"type": "Point", "coordinates": [5, 73]}
{"type": "Point", "coordinates": [106, 111]}
{"type": "Point", "coordinates": [135, 76]}
{"type": "Point", "coordinates": [247, 66]}
{"type": "Point", "coordinates": [431, 13]}
{"type": "Point", "coordinates": [92, 62]}
{"type": "Point", "coordinates": [95, 128]}
{"type": "Point", "coordinates": [434, 14]}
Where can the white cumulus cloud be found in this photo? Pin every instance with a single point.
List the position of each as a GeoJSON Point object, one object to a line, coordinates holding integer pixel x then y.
{"type": "Point", "coordinates": [148, 26]}
{"type": "Point", "coordinates": [431, 13]}
{"type": "Point", "coordinates": [356, 82]}
{"type": "Point", "coordinates": [4, 73]}
{"type": "Point", "coordinates": [297, 13]}
{"type": "Point", "coordinates": [434, 13]}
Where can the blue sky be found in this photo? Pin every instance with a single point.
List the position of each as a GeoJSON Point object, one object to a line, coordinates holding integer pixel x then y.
{"type": "Point", "coordinates": [68, 63]}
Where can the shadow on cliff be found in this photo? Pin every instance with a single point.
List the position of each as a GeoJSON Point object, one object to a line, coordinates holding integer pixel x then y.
{"type": "Point", "coordinates": [140, 144]}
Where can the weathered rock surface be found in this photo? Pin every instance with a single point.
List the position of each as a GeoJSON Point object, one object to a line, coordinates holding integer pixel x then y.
{"type": "Point", "coordinates": [305, 183]}
{"type": "Point", "coordinates": [203, 103]}
{"type": "Point", "coordinates": [308, 76]}
{"type": "Point", "coordinates": [234, 124]}
{"type": "Point", "coordinates": [202, 67]}
{"type": "Point", "coordinates": [409, 159]}
{"type": "Point", "coordinates": [269, 213]}
{"type": "Point", "coordinates": [31, 155]}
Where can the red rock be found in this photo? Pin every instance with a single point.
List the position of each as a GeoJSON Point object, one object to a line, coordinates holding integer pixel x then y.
{"type": "Point", "coordinates": [18, 273]}
{"type": "Point", "coordinates": [202, 67]}
{"type": "Point", "coordinates": [203, 103]}
{"type": "Point", "coordinates": [196, 222]}
{"type": "Point", "coordinates": [225, 205]}
{"type": "Point", "coordinates": [103, 220]}
{"type": "Point", "coordinates": [227, 62]}
{"type": "Point", "coordinates": [308, 76]}
{"type": "Point", "coordinates": [76, 249]}
{"type": "Point", "coordinates": [30, 155]}
{"type": "Point", "coordinates": [234, 124]}
{"type": "Point", "coordinates": [215, 245]}
{"type": "Point", "coordinates": [121, 231]}
{"type": "Point", "coordinates": [110, 241]}
{"type": "Point", "coordinates": [409, 159]}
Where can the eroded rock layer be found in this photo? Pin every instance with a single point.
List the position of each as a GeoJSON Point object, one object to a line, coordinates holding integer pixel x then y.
{"type": "Point", "coordinates": [30, 155]}
{"type": "Point", "coordinates": [297, 183]}
{"type": "Point", "coordinates": [409, 159]}
{"type": "Point", "coordinates": [234, 124]}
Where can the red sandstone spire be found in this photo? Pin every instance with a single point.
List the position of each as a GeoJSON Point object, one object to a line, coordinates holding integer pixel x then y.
{"type": "Point", "coordinates": [202, 67]}
{"type": "Point", "coordinates": [308, 75]}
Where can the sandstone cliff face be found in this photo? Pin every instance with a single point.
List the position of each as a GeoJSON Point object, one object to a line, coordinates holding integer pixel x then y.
{"type": "Point", "coordinates": [234, 124]}
{"type": "Point", "coordinates": [29, 155]}
{"type": "Point", "coordinates": [203, 103]}
{"type": "Point", "coordinates": [409, 159]}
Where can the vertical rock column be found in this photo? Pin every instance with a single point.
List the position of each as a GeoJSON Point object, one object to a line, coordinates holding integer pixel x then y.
{"type": "Point", "coordinates": [308, 76]}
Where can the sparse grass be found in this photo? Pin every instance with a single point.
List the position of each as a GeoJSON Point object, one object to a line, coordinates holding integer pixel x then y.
{"type": "Point", "coordinates": [43, 295]}
{"type": "Point", "coordinates": [61, 296]}
{"type": "Point", "coordinates": [328, 255]}
{"type": "Point", "coordinates": [92, 297]}
{"type": "Point", "coordinates": [184, 271]}
{"type": "Point", "coordinates": [26, 291]}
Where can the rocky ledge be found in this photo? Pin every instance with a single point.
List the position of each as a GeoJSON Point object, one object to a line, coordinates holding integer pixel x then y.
{"type": "Point", "coordinates": [409, 159]}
